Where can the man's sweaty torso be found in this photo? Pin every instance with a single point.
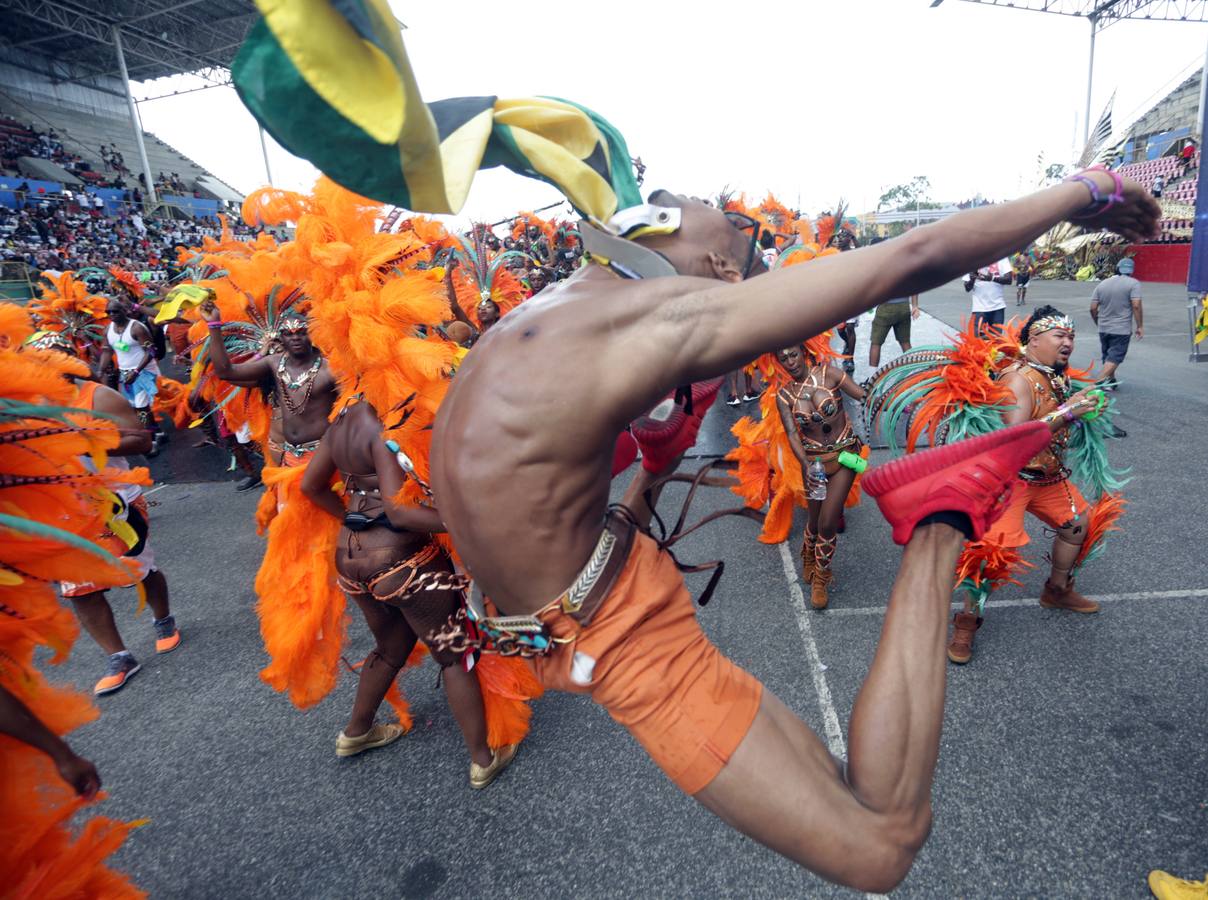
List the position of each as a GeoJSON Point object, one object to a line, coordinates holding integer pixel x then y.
{"type": "Point", "coordinates": [523, 442]}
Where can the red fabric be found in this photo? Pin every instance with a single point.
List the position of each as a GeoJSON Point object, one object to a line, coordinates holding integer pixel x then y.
{"type": "Point", "coordinates": [1166, 263]}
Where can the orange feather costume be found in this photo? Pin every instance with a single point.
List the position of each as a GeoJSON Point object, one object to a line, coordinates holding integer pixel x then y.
{"type": "Point", "coordinates": [768, 471]}
{"type": "Point", "coordinates": [951, 392]}
{"type": "Point", "coordinates": [374, 315]}
{"type": "Point", "coordinates": [54, 511]}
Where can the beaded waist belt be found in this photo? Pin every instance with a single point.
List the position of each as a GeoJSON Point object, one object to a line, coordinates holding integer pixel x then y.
{"type": "Point", "coordinates": [472, 628]}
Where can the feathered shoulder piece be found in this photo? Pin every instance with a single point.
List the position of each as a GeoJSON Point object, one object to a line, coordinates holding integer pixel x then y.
{"type": "Point", "coordinates": [947, 392]}
{"type": "Point", "coordinates": [126, 281]}
{"type": "Point", "coordinates": [66, 306]}
{"type": "Point", "coordinates": [374, 313]}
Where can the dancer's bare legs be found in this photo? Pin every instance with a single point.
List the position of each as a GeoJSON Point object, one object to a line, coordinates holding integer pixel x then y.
{"type": "Point", "coordinates": [465, 699]}
{"type": "Point", "coordinates": [863, 827]}
{"type": "Point", "coordinates": [394, 640]}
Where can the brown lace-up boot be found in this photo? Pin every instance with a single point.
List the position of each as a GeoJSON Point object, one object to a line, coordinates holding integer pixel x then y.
{"type": "Point", "coordinates": [1054, 597]}
{"type": "Point", "coordinates": [824, 554]}
{"type": "Point", "coordinates": [964, 626]}
{"type": "Point", "coordinates": [807, 556]}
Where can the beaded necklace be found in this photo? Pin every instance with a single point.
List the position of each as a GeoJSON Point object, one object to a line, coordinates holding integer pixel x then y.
{"type": "Point", "coordinates": [289, 383]}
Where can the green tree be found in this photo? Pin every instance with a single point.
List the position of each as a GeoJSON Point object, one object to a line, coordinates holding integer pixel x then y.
{"type": "Point", "coordinates": [905, 196]}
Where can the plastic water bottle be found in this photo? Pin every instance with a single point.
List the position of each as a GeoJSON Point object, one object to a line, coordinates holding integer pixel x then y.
{"type": "Point", "coordinates": [817, 480]}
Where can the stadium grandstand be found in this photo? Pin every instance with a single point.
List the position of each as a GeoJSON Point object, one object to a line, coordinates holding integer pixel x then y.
{"type": "Point", "coordinates": [80, 182]}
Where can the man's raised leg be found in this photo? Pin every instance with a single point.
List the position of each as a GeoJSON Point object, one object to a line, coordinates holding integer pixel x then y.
{"type": "Point", "coordinates": [783, 788]}
{"type": "Point", "coordinates": [863, 826]}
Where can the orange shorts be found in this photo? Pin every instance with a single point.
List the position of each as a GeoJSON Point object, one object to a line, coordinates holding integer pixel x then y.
{"type": "Point", "coordinates": [1053, 504]}
{"type": "Point", "coordinates": [655, 671]}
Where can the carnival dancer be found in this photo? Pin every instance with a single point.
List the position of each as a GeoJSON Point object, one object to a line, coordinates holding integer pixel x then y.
{"type": "Point", "coordinates": [523, 442]}
{"type": "Point", "coordinates": [480, 279]}
{"type": "Point", "coordinates": [985, 381]}
{"type": "Point", "coordinates": [302, 384]}
{"type": "Point", "coordinates": [129, 344]}
{"type": "Point", "coordinates": [55, 510]}
{"type": "Point", "coordinates": [402, 580]}
{"type": "Point", "coordinates": [816, 423]}
{"type": "Point", "coordinates": [127, 537]}
{"type": "Point", "coordinates": [1042, 388]}
{"type": "Point", "coordinates": [375, 318]}
{"type": "Point", "coordinates": [802, 409]}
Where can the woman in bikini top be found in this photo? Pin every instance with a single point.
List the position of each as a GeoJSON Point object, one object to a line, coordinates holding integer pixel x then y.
{"type": "Point", "coordinates": [814, 401]}
{"type": "Point", "coordinates": [402, 580]}
{"type": "Point", "coordinates": [816, 423]}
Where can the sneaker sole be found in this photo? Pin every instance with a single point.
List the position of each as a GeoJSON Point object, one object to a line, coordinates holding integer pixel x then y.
{"type": "Point", "coordinates": [917, 466]}
{"type": "Point", "coordinates": [168, 649]}
{"type": "Point", "coordinates": [117, 687]}
{"type": "Point", "coordinates": [959, 660]}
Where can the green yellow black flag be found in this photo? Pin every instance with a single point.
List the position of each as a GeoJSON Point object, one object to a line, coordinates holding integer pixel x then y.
{"type": "Point", "coordinates": [330, 81]}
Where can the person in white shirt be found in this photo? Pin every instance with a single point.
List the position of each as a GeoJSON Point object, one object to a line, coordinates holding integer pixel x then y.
{"type": "Point", "coordinates": [986, 286]}
{"type": "Point", "coordinates": [131, 346]}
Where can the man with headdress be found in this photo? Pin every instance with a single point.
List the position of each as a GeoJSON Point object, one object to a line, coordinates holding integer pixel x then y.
{"type": "Point", "coordinates": [1041, 389]}
{"type": "Point", "coordinates": [523, 442]}
{"type": "Point", "coordinates": [302, 384]}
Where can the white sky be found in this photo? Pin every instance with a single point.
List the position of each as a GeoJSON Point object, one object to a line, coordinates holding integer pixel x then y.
{"type": "Point", "coordinates": [812, 101]}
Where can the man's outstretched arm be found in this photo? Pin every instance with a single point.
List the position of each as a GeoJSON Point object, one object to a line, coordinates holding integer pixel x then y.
{"type": "Point", "coordinates": [734, 323]}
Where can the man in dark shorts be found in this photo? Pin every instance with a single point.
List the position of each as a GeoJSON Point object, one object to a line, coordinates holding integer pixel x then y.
{"type": "Point", "coordinates": [1115, 303]}
{"type": "Point", "coordinates": [896, 314]}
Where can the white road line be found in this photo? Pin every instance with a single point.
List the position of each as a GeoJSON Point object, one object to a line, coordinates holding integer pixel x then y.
{"type": "Point", "coordinates": [1035, 601]}
{"type": "Point", "coordinates": [830, 718]}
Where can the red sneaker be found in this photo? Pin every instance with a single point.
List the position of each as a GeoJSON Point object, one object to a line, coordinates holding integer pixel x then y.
{"type": "Point", "coordinates": [668, 430]}
{"type": "Point", "coordinates": [974, 476]}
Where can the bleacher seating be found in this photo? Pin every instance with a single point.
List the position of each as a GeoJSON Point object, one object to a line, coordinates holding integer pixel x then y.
{"type": "Point", "coordinates": [1181, 178]}
{"type": "Point", "coordinates": [84, 134]}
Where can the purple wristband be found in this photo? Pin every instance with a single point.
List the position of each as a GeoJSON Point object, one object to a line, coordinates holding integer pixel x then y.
{"type": "Point", "coordinates": [1099, 204]}
{"type": "Point", "coordinates": [215, 324]}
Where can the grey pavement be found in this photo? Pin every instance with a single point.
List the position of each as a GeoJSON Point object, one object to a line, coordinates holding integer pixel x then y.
{"type": "Point", "coordinates": [1074, 757]}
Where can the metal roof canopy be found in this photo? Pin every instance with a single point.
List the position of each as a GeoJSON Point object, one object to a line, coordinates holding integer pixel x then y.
{"type": "Point", "coordinates": [81, 44]}
{"type": "Point", "coordinates": [158, 37]}
{"type": "Point", "coordinates": [1101, 14]}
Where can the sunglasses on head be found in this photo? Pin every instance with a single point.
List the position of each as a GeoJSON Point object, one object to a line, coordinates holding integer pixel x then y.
{"type": "Point", "coordinates": [745, 223]}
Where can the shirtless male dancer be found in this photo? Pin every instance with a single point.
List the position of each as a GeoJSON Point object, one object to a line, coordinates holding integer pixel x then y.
{"type": "Point", "coordinates": [521, 456]}
{"type": "Point", "coordinates": [304, 389]}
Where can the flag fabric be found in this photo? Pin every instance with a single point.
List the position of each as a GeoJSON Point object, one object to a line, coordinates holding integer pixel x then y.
{"type": "Point", "coordinates": [331, 82]}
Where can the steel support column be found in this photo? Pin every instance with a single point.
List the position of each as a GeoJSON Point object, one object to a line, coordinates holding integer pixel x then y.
{"type": "Point", "coordinates": [149, 194]}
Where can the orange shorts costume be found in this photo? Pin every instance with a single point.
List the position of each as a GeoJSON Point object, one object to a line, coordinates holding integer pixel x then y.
{"type": "Point", "coordinates": [1053, 504]}
{"type": "Point", "coordinates": [655, 671]}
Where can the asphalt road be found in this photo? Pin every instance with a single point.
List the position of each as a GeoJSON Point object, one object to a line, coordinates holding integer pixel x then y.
{"type": "Point", "coordinates": [1074, 757]}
